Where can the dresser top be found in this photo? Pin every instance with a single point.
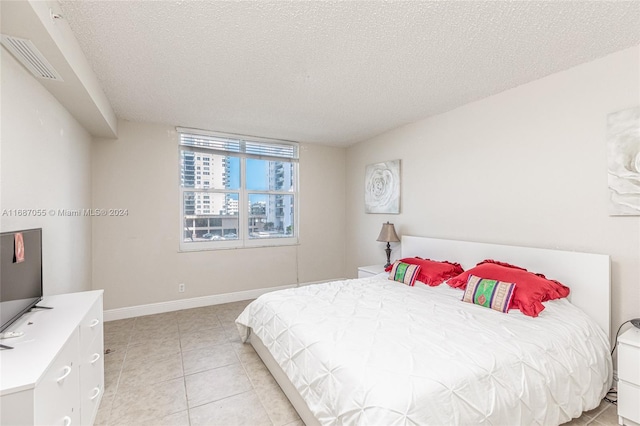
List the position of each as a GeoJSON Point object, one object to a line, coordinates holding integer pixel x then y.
{"type": "Point", "coordinates": [45, 333]}
{"type": "Point", "coordinates": [630, 337]}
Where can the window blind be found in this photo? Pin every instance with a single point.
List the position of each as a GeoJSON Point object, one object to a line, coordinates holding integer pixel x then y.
{"type": "Point", "coordinates": [200, 140]}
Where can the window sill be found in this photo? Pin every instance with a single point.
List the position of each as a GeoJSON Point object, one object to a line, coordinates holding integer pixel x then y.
{"type": "Point", "coordinates": [251, 245]}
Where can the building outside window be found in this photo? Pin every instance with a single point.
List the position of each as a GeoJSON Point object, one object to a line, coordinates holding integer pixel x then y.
{"type": "Point", "coordinates": [250, 196]}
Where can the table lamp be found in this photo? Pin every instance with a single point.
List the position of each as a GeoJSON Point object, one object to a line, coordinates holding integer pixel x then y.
{"type": "Point", "coordinates": [388, 235]}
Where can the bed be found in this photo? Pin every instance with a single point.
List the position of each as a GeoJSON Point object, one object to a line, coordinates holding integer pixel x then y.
{"type": "Point", "coordinates": [371, 351]}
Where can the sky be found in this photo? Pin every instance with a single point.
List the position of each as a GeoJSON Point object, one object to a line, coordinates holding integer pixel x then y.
{"type": "Point", "coordinates": [256, 173]}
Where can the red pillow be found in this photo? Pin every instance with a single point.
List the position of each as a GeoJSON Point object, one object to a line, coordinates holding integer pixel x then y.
{"type": "Point", "coordinates": [531, 289]}
{"type": "Point", "coordinates": [432, 272]}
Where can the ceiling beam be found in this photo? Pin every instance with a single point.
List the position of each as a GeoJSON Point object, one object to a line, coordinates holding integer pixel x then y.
{"type": "Point", "coordinates": [80, 93]}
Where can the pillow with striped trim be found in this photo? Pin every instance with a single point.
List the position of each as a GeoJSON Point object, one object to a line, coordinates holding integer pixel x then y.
{"type": "Point", "coordinates": [531, 288]}
{"type": "Point", "coordinates": [489, 293]}
{"type": "Point", "coordinates": [432, 272]}
{"type": "Point", "coordinates": [404, 273]}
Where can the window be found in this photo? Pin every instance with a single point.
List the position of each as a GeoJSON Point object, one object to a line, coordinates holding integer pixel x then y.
{"type": "Point", "coordinates": [250, 197]}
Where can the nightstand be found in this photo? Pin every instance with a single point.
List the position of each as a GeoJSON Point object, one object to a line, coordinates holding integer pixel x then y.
{"type": "Point", "coordinates": [369, 271]}
{"type": "Point", "coordinates": [629, 377]}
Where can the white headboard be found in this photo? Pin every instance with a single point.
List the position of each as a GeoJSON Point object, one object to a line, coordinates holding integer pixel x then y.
{"type": "Point", "coordinates": [587, 275]}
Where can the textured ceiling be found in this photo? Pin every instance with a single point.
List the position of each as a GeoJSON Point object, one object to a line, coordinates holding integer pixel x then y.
{"type": "Point", "coordinates": [331, 72]}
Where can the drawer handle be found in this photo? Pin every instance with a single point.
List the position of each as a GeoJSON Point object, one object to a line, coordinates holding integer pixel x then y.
{"type": "Point", "coordinates": [94, 358]}
{"type": "Point", "coordinates": [67, 421]}
{"type": "Point", "coordinates": [67, 371]}
{"type": "Point", "coordinates": [96, 392]}
{"type": "Point", "coordinates": [95, 322]}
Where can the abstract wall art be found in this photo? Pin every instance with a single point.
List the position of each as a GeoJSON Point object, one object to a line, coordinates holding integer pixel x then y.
{"type": "Point", "coordinates": [623, 162]}
{"type": "Point", "coordinates": [382, 187]}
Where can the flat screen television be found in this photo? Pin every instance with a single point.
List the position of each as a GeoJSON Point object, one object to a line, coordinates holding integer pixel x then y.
{"type": "Point", "coordinates": [20, 273]}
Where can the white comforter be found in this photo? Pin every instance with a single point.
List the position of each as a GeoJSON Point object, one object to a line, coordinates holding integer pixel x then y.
{"type": "Point", "coordinates": [375, 352]}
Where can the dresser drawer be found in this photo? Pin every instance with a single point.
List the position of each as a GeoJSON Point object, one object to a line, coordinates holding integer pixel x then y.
{"type": "Point", "coordinates": [91, 325]}
{"type": "Point", "coordinates": [91, 390]}
{"type": "Point", "coordinates": [56, 398]}
{"type": "Point", "coordinates": [629, 364]}
{"type": "Point", "coordinates": [628, 397]}
{"type": "Point", "coordinates": [91, 380]}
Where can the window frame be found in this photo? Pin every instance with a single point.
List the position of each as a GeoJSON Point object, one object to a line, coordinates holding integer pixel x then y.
{"type": "Point", "coordinates": [243, 240]}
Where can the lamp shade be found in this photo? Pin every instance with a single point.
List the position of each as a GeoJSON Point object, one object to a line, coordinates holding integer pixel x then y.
{"type": "Point", "coordinates": [388, 234]}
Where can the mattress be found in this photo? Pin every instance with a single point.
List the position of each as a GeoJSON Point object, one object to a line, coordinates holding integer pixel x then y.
{"type": "Point", "coordinates": [375, 352]}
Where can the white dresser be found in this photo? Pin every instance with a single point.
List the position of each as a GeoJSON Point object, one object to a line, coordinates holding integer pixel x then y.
{"type": "Point", "coordinates": [55, 373]}
{"type": "Point", "coordinates": [629, 377]}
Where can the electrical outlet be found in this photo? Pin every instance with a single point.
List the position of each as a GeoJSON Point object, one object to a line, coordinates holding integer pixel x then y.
{"type": "Point", "coordinates": [181, 288]}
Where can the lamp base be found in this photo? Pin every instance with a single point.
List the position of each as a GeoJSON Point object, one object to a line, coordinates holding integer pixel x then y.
{"type": "Point", "coordinates": [388, 250]}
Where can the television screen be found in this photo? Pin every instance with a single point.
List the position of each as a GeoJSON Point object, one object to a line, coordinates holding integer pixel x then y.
{"type": "Point", "coordinates": [20, 273]}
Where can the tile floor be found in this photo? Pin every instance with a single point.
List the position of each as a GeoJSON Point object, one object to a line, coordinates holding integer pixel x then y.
{"type": "Point", "coordinates": [190, 368]}
{"type": "Point", "coordinates": [604, 415]}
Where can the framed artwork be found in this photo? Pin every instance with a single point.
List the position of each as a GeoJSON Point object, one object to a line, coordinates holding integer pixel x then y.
{"type": "Point", "coordinates": [382, 187]}
{"type": "Point", "coordinates": [623, 162]}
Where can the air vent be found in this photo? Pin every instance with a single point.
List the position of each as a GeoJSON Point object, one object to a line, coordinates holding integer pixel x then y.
{"type": "Point", "coordinates": [27, 53]}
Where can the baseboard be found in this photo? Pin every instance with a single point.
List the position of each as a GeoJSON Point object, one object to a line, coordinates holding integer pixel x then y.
{"type": "Point", "coordinates": [196, 302]}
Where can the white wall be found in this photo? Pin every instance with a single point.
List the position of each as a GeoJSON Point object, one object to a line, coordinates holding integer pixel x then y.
{"type": "Point", "coordinates": [525, 167]}
{"type": "Point", "coordinates": [136, 259]}
{"type": "Point", "coordinates": [45, 164]}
